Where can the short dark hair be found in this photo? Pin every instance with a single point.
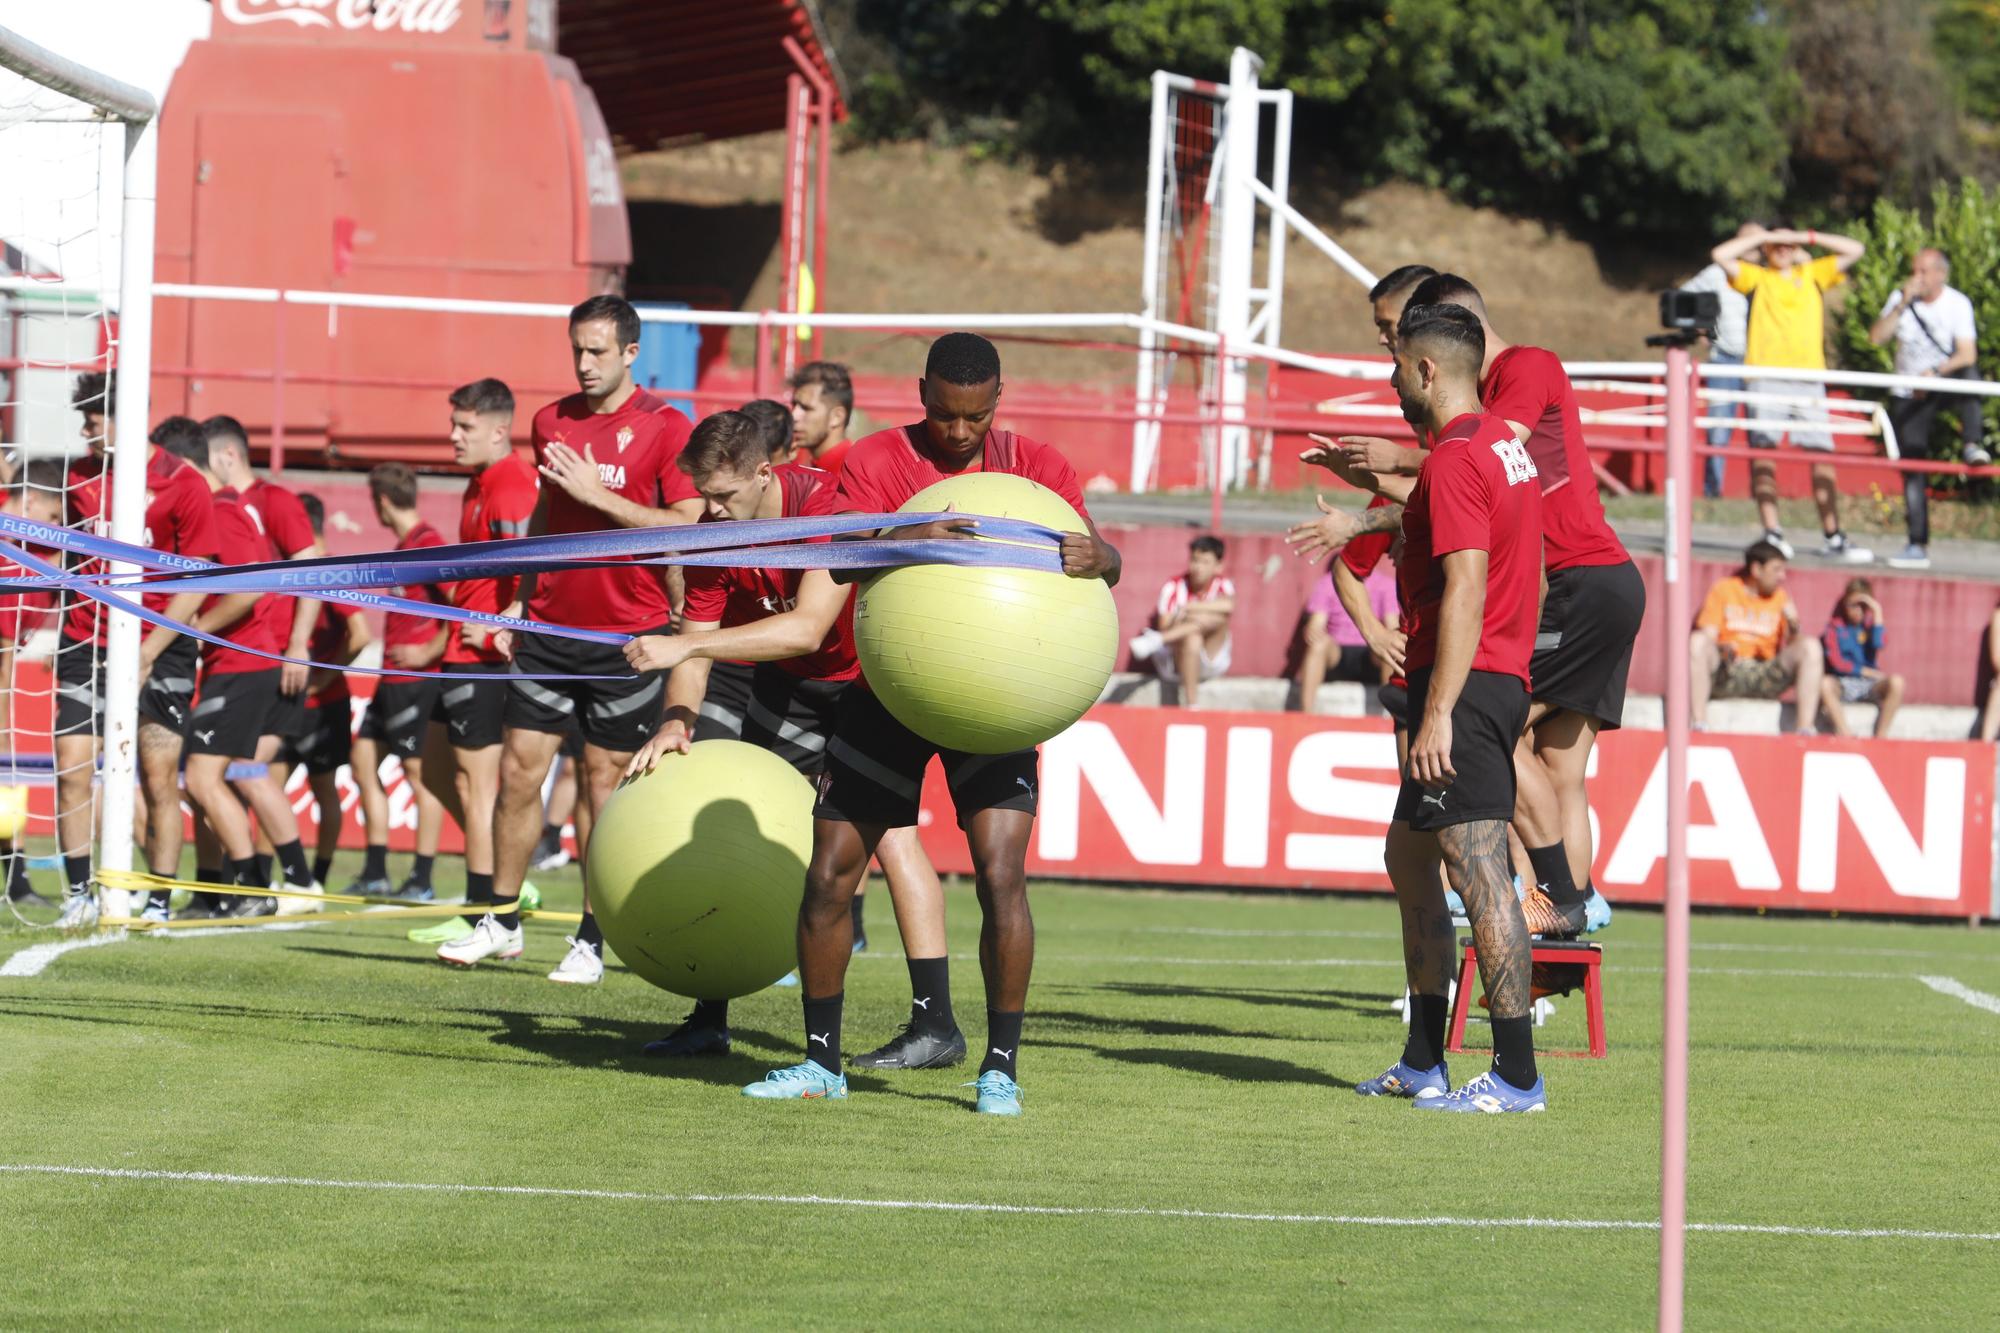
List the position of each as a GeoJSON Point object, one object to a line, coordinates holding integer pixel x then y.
{"type": "Point", "coordinates": [1760, 552]}
{"type": "Point", "coordinates": [964, 359]}
{"type": "Point", "coordinates": [835, 384]}
{"type": "Point", "coordinates": [95, 391]}
{"type": "Point", "coordinates": [775, 420]}
{"type": "Point", "coordinates": [1397, 279]}
{"type": "Point", "coordinates": [1448, 289]}
{"type": "Point", "coordinates": [624, 319]}
{"type": "Point", "coordinates": [315, 511]}
{"type": "Point", "coordinates": [488, 397]}
{"type": "Point", "coordinates": [43, 474]}
{"type": "Point", "coordinates": [1442, 329]}
{"type": "Point", "coordinates": [733, 440]}
{"type": "Point", "coordinates": [394, 483]}
{"type": "Point", "coordinates": [227, 429]}
{"type": "Point", "coordinates": [1210, 543]}
{"type": "Point", "coordinates": [182, 437]}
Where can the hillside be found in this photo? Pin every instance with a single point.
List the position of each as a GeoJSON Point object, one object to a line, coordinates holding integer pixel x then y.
{"type": "Point", "coordinates": [919, 228]}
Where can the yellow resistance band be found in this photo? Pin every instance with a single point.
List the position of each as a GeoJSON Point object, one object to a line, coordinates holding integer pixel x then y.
{"type": "Point", "coordinates": [139, 881]}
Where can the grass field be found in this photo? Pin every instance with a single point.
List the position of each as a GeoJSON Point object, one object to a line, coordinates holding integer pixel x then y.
{"type": "Point", "coordinates": [1191, 1153]}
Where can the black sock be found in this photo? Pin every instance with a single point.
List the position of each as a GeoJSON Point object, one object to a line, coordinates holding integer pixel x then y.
{"type": "Point", "coordinates": [376, 864]}
{"type": "Point", "coordinates": [1514, 1050]}
{"type": "Point", "coordinates": [1003, 1041]}
{"type": "Point", "coordinates": [420, 869]}
{"type": "Point", "coordinates": [588, 933]}
{"type": "Point", "coordinates": [17, 875]}
{"type": "Point", "coordinates": [930, 995]}
{"type": "Point", "coordinates": [508, 914]}
{"type": "Point", "coordinates": [854, 911]}
{"type": "Point", "coordinates": [823, 1031]}
{"type": "Point", "coordinates": [709, 1014]}
{"type": "Point", "coordinates": [322, 869]}
{"type": "Point", "coordinates": [551, 835]}
{"type": "Point", "coordinates": [1427, 1020]}
{"type": "Point", "coordinates": [263, 864]}
{"type": "Point", "coordinates": [478, 890]}
{"type": "Point", "coordinates": [243, 874]}
{"type": "Point", "coordinates": [292, 860]}
{"type": "Point", "coordinates": [211, 875]}
{"type": "Point", "coordinates": [1551, 865]}
{"type": "Point", "coordinates": [76, 874]}
{"type": "Point", "coordinates": [161, 898]}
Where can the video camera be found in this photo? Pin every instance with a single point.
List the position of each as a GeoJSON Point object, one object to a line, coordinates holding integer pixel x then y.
{"type": "Point", "coordinates": [1689, 312]}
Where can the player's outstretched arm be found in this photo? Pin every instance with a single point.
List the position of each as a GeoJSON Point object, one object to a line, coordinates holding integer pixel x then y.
{"type": "Point", "coordinates": [778, 638]}
{"type": "Point", "coordinates": [1386, 643]}
{"type": "Point", "coordinates": [1460, 616]}
{"type": "Point", "coordinates": [687, 686]}
{"type": "Point", "coordinates": [228, 610]}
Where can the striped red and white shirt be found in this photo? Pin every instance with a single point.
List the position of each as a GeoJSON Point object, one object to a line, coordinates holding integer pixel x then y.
{"type": "Point", "coordinates": [1175, 595]}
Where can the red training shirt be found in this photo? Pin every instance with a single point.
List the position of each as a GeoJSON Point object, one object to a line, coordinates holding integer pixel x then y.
{"type": "Point", "coordinates": [285, 524]}
{"type": "Point", "coordinates": [741, 596]}
{"type": "Point", "coordinates": [498, 503]}
{"type": "Point", "coordinates": [329, 644]}
{"type": "Point", "coordinates": [405, 628]}
{"type": "Point", "coordinates": [1476, 492]}
{"type": "Point", "coordinates": [269, 623]}
{"type": "Point", "coordinates": [635, 449]}
{"type": "Point", "coordinates": [1528, 385]}
{"type": "Point", "coordinates": [885, 469]}
{"type": "Point", "coordinates": [833, 457]}
{"type": "Point", "coordinates": [180, 520]}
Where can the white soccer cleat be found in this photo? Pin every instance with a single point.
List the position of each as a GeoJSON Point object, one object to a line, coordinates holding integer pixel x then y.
{"type": "Point", "coordinates": [581, 966]}
{"type": "Point", "coordinates": [289, 906]}
{"type": "Point", "coordinates": [489, 939]}
{"type": "Point", "coordinates": [79, 912]}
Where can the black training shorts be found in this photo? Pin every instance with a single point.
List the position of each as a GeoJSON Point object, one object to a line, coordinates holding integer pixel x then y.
{"type": "Point", "coordinates": [875, 770]}
{"type": "Point", "coordinates": [399, 716]}
{"type": "Point", "coordinates": [615, 715]}
{"type": "Point", "coordinates": [166, 696]}
{"type": "Point", "coordinates": [287, 717]}
{"type": "Point", "coordinates": [726, 702]}
{"type": "Point", "coordinates": [1583, 647]}
{"type": "Point", "coordinates": [229, 716]}
{"type": "Point", "coordinates": [1491, 710]}
{"type": "Point", "coordinates": [788, 715]}
{"type": "Point", "coordinates": [472, 711]}
{"type": "Point", "coordinates": [327, 743]}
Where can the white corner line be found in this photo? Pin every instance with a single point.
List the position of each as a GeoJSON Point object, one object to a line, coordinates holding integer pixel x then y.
{"type": "Point", "coordinates": [35, 959]}
{"type": "Point", "coordinates": [1958, 990]}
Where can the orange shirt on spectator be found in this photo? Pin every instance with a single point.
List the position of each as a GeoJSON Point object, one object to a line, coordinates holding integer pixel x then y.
{"type": "Point", "coordinates": [1744, 620]}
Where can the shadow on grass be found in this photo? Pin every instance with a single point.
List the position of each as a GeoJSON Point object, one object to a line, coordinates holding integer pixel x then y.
{"type": "Point", "coordinates": [1234, 1066]}
{"type": "Point", "coordinates": [1372, 1004]}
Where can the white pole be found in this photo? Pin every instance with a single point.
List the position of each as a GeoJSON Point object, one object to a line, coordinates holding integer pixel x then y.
{"type": "Point", "coordinates": [131, 412]}
{"type": "Point", "coordinates": [1272, 320]}
{"type": "Point", "coordinates": [1234, 263]}
{"type": "Point", "coordinates": [1146, 434]}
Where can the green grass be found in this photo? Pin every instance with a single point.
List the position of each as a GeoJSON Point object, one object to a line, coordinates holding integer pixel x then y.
{"type": "Point", "coordinates": [1184, 1051]}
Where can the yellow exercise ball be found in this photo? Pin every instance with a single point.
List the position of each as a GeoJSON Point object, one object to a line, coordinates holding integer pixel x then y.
{"type": "Point", "coordinates": [13, 812]}
{"type": "Point", "coordinates": [696, 869]}
{"type": "Point", "coordinates": [984, 659]}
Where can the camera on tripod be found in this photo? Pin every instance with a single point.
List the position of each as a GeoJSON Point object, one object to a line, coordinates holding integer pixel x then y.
{"type": "Point", "coordinates": [1687, 312]}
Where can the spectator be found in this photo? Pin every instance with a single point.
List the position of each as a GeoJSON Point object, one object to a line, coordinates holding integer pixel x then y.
{"type": "Point", "coordinates": [1787, 327]}
{"type": "Point", "coordinates": [1334, 644]}
{"type": "Point", "coordinates": [1852, 647]}
{"type": "Point", "coordinates": [1932, 324]}
{"type": "Point", "coordinates": [822, 410]}
{"type": "Point", "coordinates": [774, 420]}
{"type": "Point", "coordinates": [1725, 348]}
{"type": "Point", "coordinates": [1189, 639]}
{"type": "Point", "coordinates": [1989, 716]}
{"type": "Point", "coordinates": [1746, 642]}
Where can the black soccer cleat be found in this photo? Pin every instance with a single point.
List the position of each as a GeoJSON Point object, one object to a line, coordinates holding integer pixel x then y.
{"type": "Point", "coordinates": [912, 1049]}
{"type": "Point", "coordinates": [1550, 922]}
{"type": "Point", "coordinates": [251, 904]}
{"type": "Point", "coordinates": [687, 1040]}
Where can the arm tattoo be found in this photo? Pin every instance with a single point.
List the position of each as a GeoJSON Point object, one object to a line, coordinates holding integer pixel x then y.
{"type": "Point", "coordinates": [1475, 856]}
{"type": "Point", "coordinates": [1381, 518]}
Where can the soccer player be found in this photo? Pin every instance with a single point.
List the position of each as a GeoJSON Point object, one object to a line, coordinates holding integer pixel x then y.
{"type": "Point", "coordinates": [774, 419]}
{"type": "Point", "coordinates": [398, 718]}
{"type": "Point", "coordinates": [822, 410]}
{"type": "Point", "coordinates": [875, 765]}
{"type": "Point", "coordinates": [607, 453]}
{"type": "Point", "coordinates": [326, 744]}
{"type": "Point", "coordinates": [34, 492]}
{"type": "Point", "coordinates": [462, 754]}
{"type": "Point", "coordinates": [179, 520]}
{"type": "Point", "coordinates": [1469, 575]}
{"type": "Point", "coordinates": [798, 629]}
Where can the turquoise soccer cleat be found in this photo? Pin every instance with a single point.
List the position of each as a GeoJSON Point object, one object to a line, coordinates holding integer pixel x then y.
{"type": "Point", "coordinates": [998, 1094]}
{"type": "Point", "coordinates": [1596, 912]}
{"type": "Point", "coordinates": [805, 1082]}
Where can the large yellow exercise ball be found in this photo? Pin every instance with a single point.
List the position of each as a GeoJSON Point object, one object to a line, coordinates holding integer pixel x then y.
{"type": "Point", "coordinates": [13, 812]}
{"type": "Point", "coordinates": [696, 869]}
{"type": "Point", "coordinates": [984, 659]}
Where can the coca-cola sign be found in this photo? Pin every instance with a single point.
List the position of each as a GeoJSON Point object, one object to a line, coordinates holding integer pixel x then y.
{"type": "Point", "coordinates": [415, 16]}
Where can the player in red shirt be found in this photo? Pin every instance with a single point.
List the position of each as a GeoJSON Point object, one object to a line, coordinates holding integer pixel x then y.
{"type": "Point", "coordinates": [179, 520]}
{"type": "Point", "coordinates": [1468, 581]}
{"type": "Point", "coordinates": [798, 627]}
{"type": "Point", "coordinates": [822, 408]}
{"type": "Point", "coordinates": [875, 764]}
{"type": "Point", "coordinates": [399, 715]}
{"type": "Point", "coordinates": [35, 492]}
{"type": "Point", "coordinates": [462, 753]}
{"type": "Point", "coordinates": [606, 456]}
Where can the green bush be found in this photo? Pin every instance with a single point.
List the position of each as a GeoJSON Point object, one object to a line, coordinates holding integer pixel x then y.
{"type": "Point", "coordinates": [1963, 221]}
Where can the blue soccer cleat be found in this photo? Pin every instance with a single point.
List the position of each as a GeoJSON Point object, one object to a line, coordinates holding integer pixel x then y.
{"type": "Point", "coordinates": [1399, 1080]}
{"type": "Point", "coordinates": [1596, 912]}
{"type": "Point", "coordinates": [998, 1094]}
{"type": "Point", "coordinates": [804, 1082]}
{"type": "Point", "coordinates": [1489, 1094]}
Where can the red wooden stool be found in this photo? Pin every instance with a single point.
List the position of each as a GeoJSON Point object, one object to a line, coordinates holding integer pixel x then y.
{"type": "Point", "coordinates": [1569, 953]}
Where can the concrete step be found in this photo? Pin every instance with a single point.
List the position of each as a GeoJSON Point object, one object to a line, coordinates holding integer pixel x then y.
{"type": "Point", "coordinates": [1266, 694]}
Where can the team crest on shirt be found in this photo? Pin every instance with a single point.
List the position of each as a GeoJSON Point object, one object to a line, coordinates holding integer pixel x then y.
{"type": "Point", "coordinates": [624, 437]}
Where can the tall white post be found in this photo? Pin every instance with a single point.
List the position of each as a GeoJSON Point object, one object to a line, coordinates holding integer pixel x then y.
{"type": "Point", "coordinates": [131, 412]}
{"type": "Point", "coordinates": [1146, 433]}
{"type": "Point", "coordinates": [1233, 259]}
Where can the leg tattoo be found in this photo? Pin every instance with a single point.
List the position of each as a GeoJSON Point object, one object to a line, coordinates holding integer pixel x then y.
{"type": "Point", "coordinates": [1475, 856]}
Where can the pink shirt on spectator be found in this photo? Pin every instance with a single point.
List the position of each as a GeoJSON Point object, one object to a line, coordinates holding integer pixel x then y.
{"type": "Point", "coordinates": [1381, 586]}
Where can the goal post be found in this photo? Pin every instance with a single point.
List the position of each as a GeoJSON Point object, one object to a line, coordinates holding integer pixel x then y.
{"type": "Point", "coordinates": [85, 95]}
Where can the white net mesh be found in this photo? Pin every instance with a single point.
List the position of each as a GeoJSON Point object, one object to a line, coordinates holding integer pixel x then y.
{"type": "Point", "coordinates": [1185, 155]}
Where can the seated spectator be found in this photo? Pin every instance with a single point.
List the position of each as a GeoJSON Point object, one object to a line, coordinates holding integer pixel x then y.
{"type": "Point", "coordinates": [1852, 646]}
{"type": "Point", "coordinates": [1989, 716]}
{"type": "Point", "coordinates": [1334, 644]}
{"type": "Point", "coordinates": [774, 419]}
{"type": "Point", "coordinates": [1189, 639]}
{"type": "Point", "coordinates": [1746, 642]}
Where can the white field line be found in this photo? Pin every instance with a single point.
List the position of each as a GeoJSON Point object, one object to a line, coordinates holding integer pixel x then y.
{"type": "Point", "coordinates": [1622, 946]}
{"type": "Point", "coordinates": [1134, 960]}
{"type": "Point", "coordinates": [1003, 1209]}
{"type": "Point", "coordinates": [1978, 999]}
{"type": "Point", "coordinates": [35, 959]}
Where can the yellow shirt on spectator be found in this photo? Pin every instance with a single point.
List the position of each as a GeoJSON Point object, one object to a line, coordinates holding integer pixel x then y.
{"type": "Point", "coordinates": [1745, 620]}
{"type": "Point", "coordinates": [1787, 312]}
